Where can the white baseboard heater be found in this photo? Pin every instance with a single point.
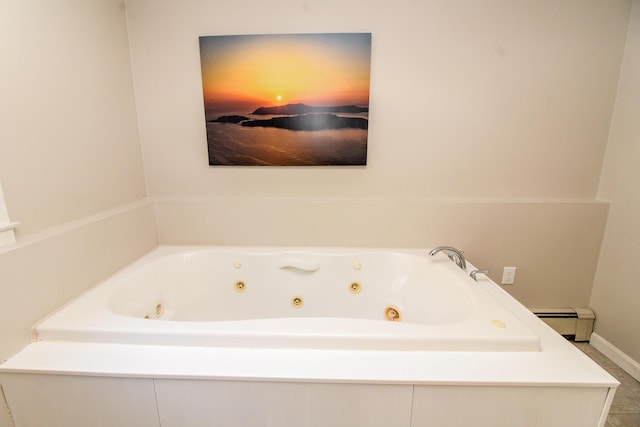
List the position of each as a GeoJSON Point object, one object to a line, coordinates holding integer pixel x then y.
{"type": "Point", "coordinates": [571, 323]}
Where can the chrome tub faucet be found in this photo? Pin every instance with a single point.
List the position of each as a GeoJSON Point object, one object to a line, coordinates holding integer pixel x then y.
{"type": "Point", "coordinates": [454, 255]}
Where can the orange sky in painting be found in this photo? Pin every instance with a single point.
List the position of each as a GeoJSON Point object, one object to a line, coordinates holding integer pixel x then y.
{"type": "Point", "coordinates": [247, 72]}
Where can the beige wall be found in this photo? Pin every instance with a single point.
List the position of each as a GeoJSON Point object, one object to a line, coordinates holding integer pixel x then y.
{"type": "Point", "coordinates": [501, 107]}
{"type": "Point", "coordinates": [506, 100]}
{"type": "Point", "coordinates": [616, 292]}
{"type": "Point", "coordinates": [69, 143]}
{"type": "Point", "coordinates": [70, 157]}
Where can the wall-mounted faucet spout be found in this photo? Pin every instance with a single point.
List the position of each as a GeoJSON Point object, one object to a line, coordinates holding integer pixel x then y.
{"type": "Point", "coordinates": [454, 255]}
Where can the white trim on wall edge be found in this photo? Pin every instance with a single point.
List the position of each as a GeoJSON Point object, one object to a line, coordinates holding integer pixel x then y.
{"type": "Point", "coordinates": [616, 355]}
{"type": "Point", "coordinates": [63, 228]}
{"type": "Point", "coordinates": [7, 235]}
{"type": "Point", "coordinates": [8, 226]}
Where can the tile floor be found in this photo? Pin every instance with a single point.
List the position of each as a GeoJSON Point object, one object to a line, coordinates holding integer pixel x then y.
{"type": "Point", "coordinates": [625, 410]}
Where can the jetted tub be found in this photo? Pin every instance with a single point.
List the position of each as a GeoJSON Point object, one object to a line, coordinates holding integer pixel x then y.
{"type": "Point", "coordinates": [292, 298]}
{"type": "Point", "coordinates": [300, 338]}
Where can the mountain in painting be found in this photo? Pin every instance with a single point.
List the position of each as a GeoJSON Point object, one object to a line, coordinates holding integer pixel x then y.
{"type": "Point", "coordinates": [297, 109]}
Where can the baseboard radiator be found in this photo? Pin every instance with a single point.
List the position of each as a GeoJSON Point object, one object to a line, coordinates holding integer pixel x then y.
{"type": "Point", "coordinates": [572, 323]}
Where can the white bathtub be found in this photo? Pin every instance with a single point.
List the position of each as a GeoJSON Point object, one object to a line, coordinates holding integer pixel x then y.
{"type": "Point", "coordinates": [292, 298]}
{"type": "Point", "coordinates": [219, 353]}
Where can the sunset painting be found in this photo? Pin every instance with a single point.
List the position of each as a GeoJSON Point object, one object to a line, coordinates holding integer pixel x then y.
{"type": "Point", "coordinates": [286, 100]}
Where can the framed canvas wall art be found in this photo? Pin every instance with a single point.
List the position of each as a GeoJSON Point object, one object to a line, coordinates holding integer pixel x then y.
{"type": "Point", "coordinates": [286, 100]}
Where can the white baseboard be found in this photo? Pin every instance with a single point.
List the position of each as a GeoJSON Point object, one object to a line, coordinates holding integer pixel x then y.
{"type": "Point", "coordinates": [630, 366]}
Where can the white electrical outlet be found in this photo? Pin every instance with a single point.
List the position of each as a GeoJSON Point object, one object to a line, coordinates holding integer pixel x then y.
{"type": "Point", "coordinates": [508, 276]}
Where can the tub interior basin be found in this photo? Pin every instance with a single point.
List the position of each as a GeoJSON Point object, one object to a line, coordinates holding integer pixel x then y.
{"type": "Point", "coordinates": [234, 285]}
{"type": "Point", "coordinates": [400, 300]}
